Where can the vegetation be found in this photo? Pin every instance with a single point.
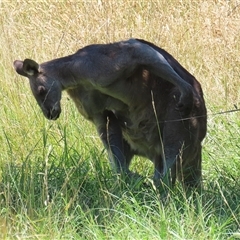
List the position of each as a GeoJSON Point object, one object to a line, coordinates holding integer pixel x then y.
{"type": "Point", "coordinates": [55, 181]}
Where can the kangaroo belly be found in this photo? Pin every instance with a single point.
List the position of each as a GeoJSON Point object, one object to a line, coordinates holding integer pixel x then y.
{"type": "Point", "coordinates": [143, 134]}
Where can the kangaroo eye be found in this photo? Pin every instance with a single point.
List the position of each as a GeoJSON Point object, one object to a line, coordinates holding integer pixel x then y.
{"type": "Point", "coordinates": [41, 90]}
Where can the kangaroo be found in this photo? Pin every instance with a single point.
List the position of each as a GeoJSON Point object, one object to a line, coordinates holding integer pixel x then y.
{"type": "Point", "coordinates": [141, 100]}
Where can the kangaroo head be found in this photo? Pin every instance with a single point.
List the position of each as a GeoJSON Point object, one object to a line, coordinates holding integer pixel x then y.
{"type": "Point", "coordinates": [45, 88]}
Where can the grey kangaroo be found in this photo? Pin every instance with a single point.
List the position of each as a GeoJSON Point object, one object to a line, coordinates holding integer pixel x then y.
{"type": "Point", "coordinates": [141, 100]}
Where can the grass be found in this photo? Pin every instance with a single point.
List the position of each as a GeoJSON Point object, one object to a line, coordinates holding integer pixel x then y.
{"type": "Point", "coordinates": [55, 181]}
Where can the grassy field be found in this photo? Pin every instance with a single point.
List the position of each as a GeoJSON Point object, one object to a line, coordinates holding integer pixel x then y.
{"type": "Point", "coordinates": [55, 181]}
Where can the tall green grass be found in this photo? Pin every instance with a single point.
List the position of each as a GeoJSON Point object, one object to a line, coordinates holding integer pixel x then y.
{"type": "Point", "coordinates": [55, 180]}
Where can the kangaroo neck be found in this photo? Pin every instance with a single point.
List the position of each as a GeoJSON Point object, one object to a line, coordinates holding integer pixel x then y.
{"type": "Point", "coordinates": [69, 70]}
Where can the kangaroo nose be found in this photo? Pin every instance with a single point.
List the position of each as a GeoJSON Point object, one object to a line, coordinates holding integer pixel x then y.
{"type": "Point", "coordinates": [54, 113]}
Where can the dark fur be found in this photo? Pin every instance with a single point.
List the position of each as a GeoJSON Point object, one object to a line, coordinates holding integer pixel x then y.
{"type": "Point", "coordinates": [136, 106]}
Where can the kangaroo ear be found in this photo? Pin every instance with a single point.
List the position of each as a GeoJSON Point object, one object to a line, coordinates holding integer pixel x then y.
{"type": "Point", "coordinates": [26, 68]}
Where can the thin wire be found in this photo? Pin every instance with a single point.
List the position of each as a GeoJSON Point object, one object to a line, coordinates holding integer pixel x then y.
{"type": "Point", "coordinates": [210, 114]}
